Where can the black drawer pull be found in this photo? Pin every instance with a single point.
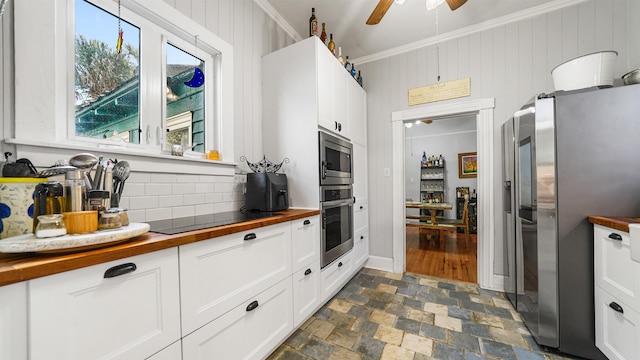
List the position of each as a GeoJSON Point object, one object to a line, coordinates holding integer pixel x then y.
{"type": "Point", "coordinates": [120, 270]}
{"type": "Point", "coordinates": [361, 207]}
{"type": "Point", "coordinates": [307, 272]}
{"type": "Point", "coordinates": [361, 237]}
{"type": "Point", "coordinates": [614, 236]}
{"type": "Point", "coordinates": [252, 306]}
{"type": "Point", "coordinates": [616, 307]}
{"type": "Point", "coordinates": [306, 222]}
{"type": "Point", "coordinates": [340, 264]}
{"type": "Point", "coordinates": [251, 236]}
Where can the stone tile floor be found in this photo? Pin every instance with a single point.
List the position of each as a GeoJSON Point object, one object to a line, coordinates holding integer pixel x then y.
{"type": "Point", "coordinates": [382, 315]}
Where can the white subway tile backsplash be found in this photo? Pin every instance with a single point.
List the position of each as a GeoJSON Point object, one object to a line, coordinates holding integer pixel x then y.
{"type": "Point", "coordinates": [133, 189]}
{"type": "Point", "coordinates": [224, 179]}
{"type": "Point", "coordinates": [187, 178]}
{"type": "Point", "coordinates": [223, 187]}
{"type": "Point", "coordinates": [213, 197]}
{"type": "Point", "coordinates": [203, 188]}
{"type": "Point", "coordinates": [158, 214]}
{"type": "Point", "coordinates": [182, 211]}
{"type": "Point", "coordinates": [223, 207]}
{"type": "Point", "coordinates": [170, 200]}
{"type": "Point", "coordinates": [193, 199]}
{"type": "Point", "coordinates": [139, 177]}
{"type": "Point", "coordinates": [203, 209]}
{"type": "Point", "coordinates": [185, 188]}
{"type": "Point", "coordinates": [137, 215]}
{"type": "Point", "coordinates": [143, 202]}
{"type": "Point", "coordinates": [157, 189]}
{"type": "Point", "coordinates": [163, 178]}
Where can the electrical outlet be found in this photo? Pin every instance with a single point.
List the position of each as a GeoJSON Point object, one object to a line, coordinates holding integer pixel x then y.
{"type": "Point", "coordinates": [387, 172]}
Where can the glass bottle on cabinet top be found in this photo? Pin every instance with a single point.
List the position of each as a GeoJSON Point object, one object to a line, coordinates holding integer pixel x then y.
{"type": "Point", "coordinates": [332, 45]}
{"type": "Point", "coordinates": [313, 23]}
{"type": "Point", "coordinates": [323, 34]}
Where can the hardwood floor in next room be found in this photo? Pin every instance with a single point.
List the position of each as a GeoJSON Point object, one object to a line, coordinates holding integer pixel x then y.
{"type": "Point", "coordinates": [456, 262]}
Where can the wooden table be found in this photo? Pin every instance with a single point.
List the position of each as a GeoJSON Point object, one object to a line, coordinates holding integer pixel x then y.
{"type": "Point", "coordinates": [432, 207]}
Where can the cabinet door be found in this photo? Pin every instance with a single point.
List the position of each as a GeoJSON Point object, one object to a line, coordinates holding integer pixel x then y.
{"type": "Point", "coordinates": [251, 330]}
{"type": "Point", "coordinates": [325, 72]}
{"type": "Point", "coordinates": [617, 332]}
{"type": "Point", "coordinates": [615, 271]}
{"type": "Point", "coordinates": [357, 113]}
{"type": "Point", "coordinates": [361, 247]}
{"type": "Point", "coordinates": [173, 352]}
{"type": "Point", "coordinates": [305, 242]}
{"type": "Point", "coordinates": [360, 183]}
{"type": "Point", "coordinates": [218, 274]}
{"type": "Point", "coordinates": [341, 79]}
{"type": "Point", "coordinates": [335, 275]}
{"type": "Point", "coordinates": [84, 314]}
{"type": "Point", "coordinates": [360, 214]}
{"type": "Point", "coordinates": [306, 292]}
{"type": "Point", "coordinates": [13, 321]}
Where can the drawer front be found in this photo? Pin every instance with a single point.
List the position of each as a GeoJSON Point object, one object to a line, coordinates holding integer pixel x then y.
{"type": "Point", "coordinates": [173, 352]}
{"type": "Point", "coordinates": [615, 271]}
{"type": "Point", "coordinates": [243, 333]}
{"type": "Point", "coordinates": [360, 215]}
{"type": "Point", "coordinates": [218, 274]}
{"type": "Point", "coordinates": [306, 292]}
{"type": "Point", "coordinates": [336, 275]}
{"type": "Point", "coordinates": [80, 314]}
{"type": "Point", "coordinates": [617, 334]}
{"type": "Point", "coordinates": [305, 242]}
{"type": "Point", "coordinates": [361, 247]}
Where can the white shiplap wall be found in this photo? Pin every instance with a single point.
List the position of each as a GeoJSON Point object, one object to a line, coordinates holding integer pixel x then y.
{"type": "Point", "coordinates": [509, 62]}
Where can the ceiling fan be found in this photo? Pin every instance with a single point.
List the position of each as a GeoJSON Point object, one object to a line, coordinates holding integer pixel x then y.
{"type": "Point", "coordinates": [384, 5]}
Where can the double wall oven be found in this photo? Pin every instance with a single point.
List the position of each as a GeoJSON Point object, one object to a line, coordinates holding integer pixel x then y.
{"type": "Point", "coordinates": [336, 197]}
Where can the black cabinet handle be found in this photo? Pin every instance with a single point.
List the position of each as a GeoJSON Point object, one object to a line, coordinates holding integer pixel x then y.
{"type": "Point", "coordinates": [339, 127]}
{"type": "Point", "coordinates": [252, 306]}
{"type": "Point", "coordinates": [361, 237]}
{"type": "Point", "coordinates": [335, 125]}
{"type": "Point", "coordinates": [361, 207]}
{"type": "Point", "coordinates": [251, 236]}
{"type": "Point", "coordinates": [307, 272]}
{"type": "Point", "coordinates": [340, 264]}
{"type": "Point", "coordinates": [614, 236]}
{"type": "Point", "coordinates": [306, 222]}
{"type": "Point", "coordinates": [120, 270]}
{"type": "Point", "coordinates": [616, 307]}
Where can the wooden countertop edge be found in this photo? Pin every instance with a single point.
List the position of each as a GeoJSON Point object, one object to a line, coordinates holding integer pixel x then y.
{"type": "Point", "coordinates": [615, 222]}
{"type": "Point", "coordinates": [15, 268]}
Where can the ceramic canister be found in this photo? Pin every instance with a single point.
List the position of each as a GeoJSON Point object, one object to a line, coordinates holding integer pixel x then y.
{"type": "Point", "coordinates": [16, 205]}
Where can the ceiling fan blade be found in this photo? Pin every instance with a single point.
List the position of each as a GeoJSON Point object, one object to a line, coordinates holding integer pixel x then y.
{"type": "Point", "coordinates": [454, 4]}
{"type": "Point", "coordinates": [379, 12]}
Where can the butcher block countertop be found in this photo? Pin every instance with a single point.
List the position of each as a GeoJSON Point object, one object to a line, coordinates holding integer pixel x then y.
{"type": "Point", "coordinates": [25, 266]}
{"type": "Point", "coordinates": [618, 223]}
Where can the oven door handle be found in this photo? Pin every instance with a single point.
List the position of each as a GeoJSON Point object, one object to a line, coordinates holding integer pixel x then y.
{"type": "Point", "coordinates": [336, 203]}
{"type": "Point", "coordinates": [323, 171]}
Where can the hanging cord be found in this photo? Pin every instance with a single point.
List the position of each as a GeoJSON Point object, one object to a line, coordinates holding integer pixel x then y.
{"type": "Point", "coordinates": [120, 37]}
{"type": "Point", "coordinates": [438, 46]}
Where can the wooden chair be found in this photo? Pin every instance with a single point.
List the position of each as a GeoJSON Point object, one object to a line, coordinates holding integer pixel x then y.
{"type": "Point", "coordinates": [460, 223]}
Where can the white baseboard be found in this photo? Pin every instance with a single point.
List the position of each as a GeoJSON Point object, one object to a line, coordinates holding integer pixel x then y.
{"type": "Point", "coordinates": [380, 263]}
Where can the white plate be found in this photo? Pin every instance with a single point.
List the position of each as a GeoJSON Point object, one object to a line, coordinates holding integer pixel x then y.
{"type": "Point", "coordinates": [70, 243]}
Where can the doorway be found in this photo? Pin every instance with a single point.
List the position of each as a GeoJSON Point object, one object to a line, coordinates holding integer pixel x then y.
{"type": "Point", "coordinates": [440, 177]}
{"type": "Point", "coordinates": [483, 110]}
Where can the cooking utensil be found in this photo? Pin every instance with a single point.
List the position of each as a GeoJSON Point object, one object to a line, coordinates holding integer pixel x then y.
{"type": "Point", "coordinates": [589, 70]}
{"type": "Point", "coordinates": [97, 178]}
{"type": "Point", "coordinates": [121, 172]}
{"type": "Point", "coordinates": [84, 162]}
{"type": "Point", "coordinates": [55, 170]}
{"type": "Point", "coordinates": [632, 77]}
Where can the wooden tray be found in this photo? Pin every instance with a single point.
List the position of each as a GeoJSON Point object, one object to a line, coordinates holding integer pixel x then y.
{"type": "Point", "coordinates": [71, 243]}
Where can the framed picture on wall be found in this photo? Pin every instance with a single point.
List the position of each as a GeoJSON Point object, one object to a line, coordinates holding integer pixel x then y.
{"type": "Point", "coordinates": [467, 165]}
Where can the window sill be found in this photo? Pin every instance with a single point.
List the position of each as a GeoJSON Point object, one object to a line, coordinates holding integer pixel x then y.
{"type": "Point", "coordinates": [44, 155]}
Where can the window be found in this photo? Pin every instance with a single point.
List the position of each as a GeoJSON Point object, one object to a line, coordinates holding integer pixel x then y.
{"type": "Point", "coordinates": [138, 102]}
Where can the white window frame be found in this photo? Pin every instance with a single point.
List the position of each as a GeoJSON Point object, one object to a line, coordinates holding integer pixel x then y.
{"type": "Point", "coordinates": [44, 83]}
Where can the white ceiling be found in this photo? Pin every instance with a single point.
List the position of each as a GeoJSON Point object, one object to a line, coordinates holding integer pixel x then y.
{"type": "Point", "coordinates": [403, 24]}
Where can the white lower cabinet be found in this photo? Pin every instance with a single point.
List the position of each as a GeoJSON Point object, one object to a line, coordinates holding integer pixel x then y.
{"type": "Point", "coordinates": [305, 242]}
{"type": "Point", "coordinates": [124, 309]}
{"type": "Point", "coordinates": [617, 294]}
{"type": "Point", "coordinates": [361, 247]}
{"type": "Point", "coordinates": [306, 292]}
{"type": "Point", "coordinates": [218, 274]}
{"type": "Point", "coordinates": [335, 275]}
{"type": "Point", "coordinates": [617, 327]}
{"type": "Point", "coordinates": [251, 330]}
{"type": "Point", "coordinates": [172, 352]}
{"type": "Point", "coordinates": [13, 321]}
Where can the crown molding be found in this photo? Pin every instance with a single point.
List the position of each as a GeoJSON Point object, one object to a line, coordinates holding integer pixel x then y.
{"type": "Point", "coordinates": [275, 15]}
{"type": "Point", "coordinates": [485, 25]}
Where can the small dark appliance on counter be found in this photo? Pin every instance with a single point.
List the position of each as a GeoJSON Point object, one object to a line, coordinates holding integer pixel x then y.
{"type": "Point", "coordinates": [267, 192]}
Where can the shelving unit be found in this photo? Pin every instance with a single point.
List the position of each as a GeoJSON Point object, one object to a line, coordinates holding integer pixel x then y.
{"type": "Point", "coordinates": [461, 191]}
{"type": "Point", "coordinates": [432, 185]}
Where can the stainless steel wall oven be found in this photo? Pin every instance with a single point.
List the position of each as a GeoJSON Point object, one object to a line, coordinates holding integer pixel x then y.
{"type": "Point", "coordinates": [336, 206]}
{"type": "Point", "coordinates": [335, 160]}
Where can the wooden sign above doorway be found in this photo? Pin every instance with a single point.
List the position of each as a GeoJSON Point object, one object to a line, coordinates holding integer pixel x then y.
{"type": "Point", "coordinates": [440, 91]}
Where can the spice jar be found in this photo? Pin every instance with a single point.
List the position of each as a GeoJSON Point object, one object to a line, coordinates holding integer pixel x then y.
{"type": "Point", "coordinates": [50, 225]}
{"type": "Point", "coordinates": [109, 220]}
{"type": "Point", "coordinates": [98, 200]}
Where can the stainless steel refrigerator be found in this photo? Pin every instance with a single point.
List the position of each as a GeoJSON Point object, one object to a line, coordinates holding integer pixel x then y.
{"type": "Point", "coordinates": [567, 155]}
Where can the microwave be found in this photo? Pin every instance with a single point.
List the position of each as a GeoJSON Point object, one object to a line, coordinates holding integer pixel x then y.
{"type": "Point", "coordinates": [335, 160]}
